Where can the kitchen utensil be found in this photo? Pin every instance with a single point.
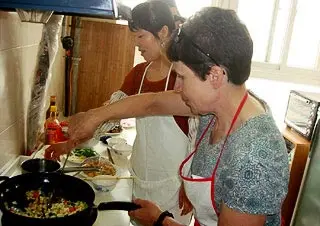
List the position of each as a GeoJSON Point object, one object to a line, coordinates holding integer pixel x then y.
{"type": "Point", "coordinates": [110, 156]}
{"type": "Point", "coordinates": [38, 165]}
{"type": "Point", "coordinates": [13, 190]}
{"type": "Point", "coordinates": [107, 177]}
{"type": "Point", "coordinates": [64, 163]}
{"type": "Point", "coordinates": [40, 146]}
{"type": "Point", "coordinates": [105, 140]}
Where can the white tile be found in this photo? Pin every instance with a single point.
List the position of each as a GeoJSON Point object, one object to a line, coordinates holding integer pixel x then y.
{"type": "Point", "coordinates": [10, 95]}
{"type": "Point", "coordinates": [10, 142]}
{"type": "Point", "coordinates": [10, 30]}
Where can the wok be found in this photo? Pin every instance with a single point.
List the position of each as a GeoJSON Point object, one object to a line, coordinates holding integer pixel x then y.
{"type": "Point", "coordinates": [48, 166]}
{"type": "Point", "coordinates": [13, 190]}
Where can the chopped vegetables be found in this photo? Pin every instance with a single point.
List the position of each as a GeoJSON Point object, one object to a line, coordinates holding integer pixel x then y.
{"type": "Point", "coordinates": [85, 152]}
{"type": "Point", "coordinates": [41, 207]}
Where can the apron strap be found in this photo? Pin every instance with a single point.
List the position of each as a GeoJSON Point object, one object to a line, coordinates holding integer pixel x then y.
{"type": "Point", "coordinates": [235, 117]}
{"type": "Point", "coordinates": [144, 75]}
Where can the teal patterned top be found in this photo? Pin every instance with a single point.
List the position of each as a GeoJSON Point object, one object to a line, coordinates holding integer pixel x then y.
{"type": "Point", "coordinates": [253, 172]}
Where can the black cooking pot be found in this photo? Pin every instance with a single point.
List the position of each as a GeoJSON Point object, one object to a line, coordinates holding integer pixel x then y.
{"type": "Point", "coordinates": [13, 193]}
{"type": "Point", "coordinates": [49, 166]}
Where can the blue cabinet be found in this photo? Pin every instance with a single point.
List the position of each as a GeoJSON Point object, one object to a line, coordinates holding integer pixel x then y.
{"type": "Point", "coordinates": [95, 8]}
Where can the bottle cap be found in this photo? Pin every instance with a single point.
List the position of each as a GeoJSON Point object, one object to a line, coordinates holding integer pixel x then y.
{"type": "Point", "coordinates": [52, 98]}
{"type": "Point", "coordinates": [53, 108]}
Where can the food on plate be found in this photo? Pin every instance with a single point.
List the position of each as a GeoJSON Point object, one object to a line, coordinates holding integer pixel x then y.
{"type": "Point", "coordinates": [78, 155]}
{"type": "Point", "coordinates": [106, 168]}
{"type": "Point", "coordinates": [115, 129]}
{"type": "Point", "coordinates": [41, 206]}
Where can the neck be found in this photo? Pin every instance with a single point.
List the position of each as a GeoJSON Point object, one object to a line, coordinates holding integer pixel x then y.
{"type": "Point", "coordinates": [228, 106]}
{"type": "Point", "coordinates": [162, 63]}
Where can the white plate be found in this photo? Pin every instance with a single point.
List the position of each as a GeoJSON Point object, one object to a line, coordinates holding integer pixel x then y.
{"type": "Point", "coordinates": [75, 159]}
{"type": "Point", "coordinates": [128, 123]}
{"type": "Point", "coordinates": [111, 134]}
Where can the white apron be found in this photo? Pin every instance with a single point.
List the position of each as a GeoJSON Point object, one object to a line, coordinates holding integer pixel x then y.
{"type": "Point", "coordinates": [201, 191]}
{"type": "Point", "coordinates": [159, 148]}
{"type": "Point", "coordinates": [198, 191]}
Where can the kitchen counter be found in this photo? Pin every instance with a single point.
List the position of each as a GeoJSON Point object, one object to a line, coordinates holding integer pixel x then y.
{"type": "Point", "coordinates": [122, 191]}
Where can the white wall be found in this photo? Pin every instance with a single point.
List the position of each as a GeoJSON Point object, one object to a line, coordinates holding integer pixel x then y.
{"type": "Point", "coordinates": [19, 44]}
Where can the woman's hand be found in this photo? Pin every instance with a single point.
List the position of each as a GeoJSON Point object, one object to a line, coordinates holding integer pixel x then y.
{"type": "Point", "coordinates": [55, 150]}
{"type": "Point", "coordinates": [82, 126]}
{"type": "Point", "coordinates": [184, 202]}
{"type": "Point", "coordinates": [147, 214]}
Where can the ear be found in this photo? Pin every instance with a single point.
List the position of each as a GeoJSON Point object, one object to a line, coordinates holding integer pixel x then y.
{"type": "Point", "coordinates": [164, 33]}
{"type": "Point", "coordinates": [216, 76]}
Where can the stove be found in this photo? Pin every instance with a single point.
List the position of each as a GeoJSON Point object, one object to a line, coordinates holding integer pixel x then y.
{"type": "Point", "coordinates": [122, 192]}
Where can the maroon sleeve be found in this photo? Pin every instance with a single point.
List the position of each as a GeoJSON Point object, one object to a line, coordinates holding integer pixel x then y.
{"type": "Point", "coordinates": [133, 79]}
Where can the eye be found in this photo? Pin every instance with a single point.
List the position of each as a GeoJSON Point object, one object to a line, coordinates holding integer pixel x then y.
{"type": "Point", "coordinates": [140, 36]}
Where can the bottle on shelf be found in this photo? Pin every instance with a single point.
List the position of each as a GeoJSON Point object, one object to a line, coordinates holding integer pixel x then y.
{"type": "Point", "coordinates": [52, 103]}
{"type": "Point", "coordinates": [53, 130]}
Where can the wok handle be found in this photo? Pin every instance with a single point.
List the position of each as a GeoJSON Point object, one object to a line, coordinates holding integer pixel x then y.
{"type": "Point", "coordinates": [117, 205]}
{"type": "Point", "coordinates": [3, 178]}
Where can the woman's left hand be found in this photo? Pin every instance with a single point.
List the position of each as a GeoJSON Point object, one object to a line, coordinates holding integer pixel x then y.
{"type": "Point", "coordinates": [147, 214]}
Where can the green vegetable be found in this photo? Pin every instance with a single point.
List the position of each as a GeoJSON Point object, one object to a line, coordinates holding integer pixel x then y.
{"type": "Point", "coordinates": [86, 152]}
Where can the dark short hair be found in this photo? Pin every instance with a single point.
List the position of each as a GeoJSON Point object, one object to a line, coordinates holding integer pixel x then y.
{"type": "Point", "coordinates": [151, 16]}
{"type": "Point", "coordinates": [170, 3]}
{"type": "Point", "coordinates": [213, 36]}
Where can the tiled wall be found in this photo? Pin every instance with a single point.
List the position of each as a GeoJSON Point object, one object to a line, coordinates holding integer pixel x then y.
{"type": "Point", "coordinates": [19, 44]}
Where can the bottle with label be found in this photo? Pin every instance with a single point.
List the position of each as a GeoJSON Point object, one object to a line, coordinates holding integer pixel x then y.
{"type": "Point", "coordinates": [52, 103]}
{"type": "Point", "coordinates": [53, 131]}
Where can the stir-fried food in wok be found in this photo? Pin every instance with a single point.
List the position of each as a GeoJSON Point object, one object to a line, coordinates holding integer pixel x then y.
{"type": "Point", "coordinates": [40, 206]}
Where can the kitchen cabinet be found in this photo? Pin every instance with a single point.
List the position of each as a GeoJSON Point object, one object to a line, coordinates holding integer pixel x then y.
{"type": "Point", "coordinates": [98, 8]}
{"type": "Point", "coordinates": [107, 55]}
{"type": "Point", "coordinates": [299, 154]}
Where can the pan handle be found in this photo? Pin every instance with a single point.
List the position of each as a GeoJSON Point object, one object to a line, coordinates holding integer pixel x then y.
{"type": "Point", "coordinates": [4, 178]}
{"type": "Point", "coordinates": [117, 205]}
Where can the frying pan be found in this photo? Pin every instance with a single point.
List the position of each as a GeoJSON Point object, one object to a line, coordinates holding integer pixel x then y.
{"type": "Point", "coordinates": [40, 165]}
{"type": "Point", "coordinates": [13, 190]}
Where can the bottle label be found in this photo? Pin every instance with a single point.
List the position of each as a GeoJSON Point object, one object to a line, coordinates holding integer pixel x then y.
{"type": "Point", "coordinates": [51, 136]}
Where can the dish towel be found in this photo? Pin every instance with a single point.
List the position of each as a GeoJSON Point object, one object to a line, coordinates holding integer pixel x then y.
{"type": "Point", "coordinates": [104, 127]}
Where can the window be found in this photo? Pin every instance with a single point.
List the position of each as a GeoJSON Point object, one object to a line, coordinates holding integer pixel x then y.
{"type": "Point", "coordinates": [305, 40]}
{"type": "Point", "coordinates": [284, 32]}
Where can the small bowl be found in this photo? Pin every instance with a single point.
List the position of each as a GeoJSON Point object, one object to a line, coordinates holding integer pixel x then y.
{"type": "Point", "coordinates": [103, 184]}
{"type": "Point", "coordinates": [116, 140]}
{"type": "Point", "coordinates": [122, 149]}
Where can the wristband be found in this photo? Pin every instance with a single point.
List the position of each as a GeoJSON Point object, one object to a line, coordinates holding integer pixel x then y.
{"type": "Point", "coordinates": [161, 218]}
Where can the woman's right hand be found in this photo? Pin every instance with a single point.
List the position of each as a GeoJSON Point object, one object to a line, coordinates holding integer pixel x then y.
{"type": "Point", "coordinates": [55, 150]}
{"type": "Point", "coordinates": [82, 126]}
{"type": "Point", "coordinates": [184, 202]}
